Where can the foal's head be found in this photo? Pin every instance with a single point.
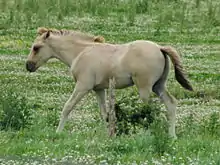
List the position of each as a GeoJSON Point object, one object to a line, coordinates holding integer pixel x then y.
{"type": "Point", "coordinates": [41, 51]}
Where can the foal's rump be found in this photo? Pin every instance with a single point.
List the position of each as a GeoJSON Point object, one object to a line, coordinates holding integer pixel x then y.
{"type": "Point", "coordinates": [145, 62]}
{"type": "Point", "coordinates": [149, 61]}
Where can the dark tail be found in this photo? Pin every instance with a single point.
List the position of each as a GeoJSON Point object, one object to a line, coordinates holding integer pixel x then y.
{"type": "Point", "coordinates": [179, 73]}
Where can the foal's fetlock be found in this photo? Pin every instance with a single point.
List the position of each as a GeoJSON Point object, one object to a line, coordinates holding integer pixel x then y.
{"type": "Point", "coordinates": [172, 134]}
{"type": "Point", "coordinates": [105, 117]}
{"type": "Point", "coordinates": [61, 125]}
{"type": "Point", "coordinates": [174, 137]}
{"type": "Point", "coordinates": [58, 130]}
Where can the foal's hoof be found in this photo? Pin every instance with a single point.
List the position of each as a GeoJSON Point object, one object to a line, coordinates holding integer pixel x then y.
{"type": "Point", "coordinates": [174, 137]}
{"type": "Point", "coordinates": [58, 131]}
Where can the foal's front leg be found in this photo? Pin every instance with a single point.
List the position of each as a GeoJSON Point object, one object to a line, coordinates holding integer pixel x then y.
{"type": "Point", "coordinates": [100, 96]}
{"type": "Point", "coordinates": [76, 96]}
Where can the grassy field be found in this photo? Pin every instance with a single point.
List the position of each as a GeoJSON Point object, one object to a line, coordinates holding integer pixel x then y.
{"type": "Point", "coordinates": [35, 100]}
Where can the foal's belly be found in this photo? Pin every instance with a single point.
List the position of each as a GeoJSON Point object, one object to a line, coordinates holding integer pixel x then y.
{"type": "Point", "coordinates": [120, 82]}
{"type": "Point", "coordinates": [124, 82]}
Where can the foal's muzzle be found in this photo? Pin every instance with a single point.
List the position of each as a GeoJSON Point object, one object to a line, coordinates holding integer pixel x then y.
{"type": "Point", "coordinates": [31, 66]}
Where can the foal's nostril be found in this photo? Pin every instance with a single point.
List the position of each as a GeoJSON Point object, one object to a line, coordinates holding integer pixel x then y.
{"type": "Point", "coordinates": [30, 66]}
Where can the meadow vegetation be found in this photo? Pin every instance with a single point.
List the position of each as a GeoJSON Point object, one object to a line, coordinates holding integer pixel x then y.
{"type": "Point", "coordinates": [30, 103]}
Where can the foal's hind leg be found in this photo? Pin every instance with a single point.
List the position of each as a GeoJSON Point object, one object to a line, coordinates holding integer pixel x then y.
{"type": "Point", "coordinates": [170, 103]}
{"type": "Point", "coordinates": [76, 96]}
{"type": "Point", "coordinates": [144, 87]}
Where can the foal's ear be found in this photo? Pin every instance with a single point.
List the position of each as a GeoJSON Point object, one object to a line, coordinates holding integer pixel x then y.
{"type": "Point", "coordinates": [42, 30]}
{"type": "Point", "coordinates": [46, 35]}
{"type": "Point", "coordinates": [99, 39]}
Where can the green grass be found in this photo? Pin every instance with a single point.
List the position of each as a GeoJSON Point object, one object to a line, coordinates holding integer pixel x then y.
{"type": "Point", "coordinates": [192, 27]}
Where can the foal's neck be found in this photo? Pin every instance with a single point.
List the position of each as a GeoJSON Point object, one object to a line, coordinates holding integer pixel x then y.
{"type": "Point", "coordinates": [66, 50]}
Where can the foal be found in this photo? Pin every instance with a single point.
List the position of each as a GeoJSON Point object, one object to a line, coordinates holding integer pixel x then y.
{"type": "Point", "coordinates": [141, 63]}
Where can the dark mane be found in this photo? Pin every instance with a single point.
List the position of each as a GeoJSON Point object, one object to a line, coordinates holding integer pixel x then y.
{"type": "Point", "coordinates": [77, 34]}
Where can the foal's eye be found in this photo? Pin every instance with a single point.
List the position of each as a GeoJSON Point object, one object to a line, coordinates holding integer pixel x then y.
{"type": "Point", "coordinates": [36, 48]}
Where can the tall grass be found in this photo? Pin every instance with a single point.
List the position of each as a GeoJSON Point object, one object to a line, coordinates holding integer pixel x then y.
{"type": "Point", "coordinates": [178, 14]}
{"type": "Point", "coordinates": [162, 21]}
